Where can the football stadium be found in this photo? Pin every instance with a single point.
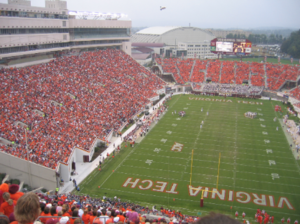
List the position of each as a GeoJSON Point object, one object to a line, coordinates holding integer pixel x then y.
{"type": "Point", "coordinates": [89, 135]}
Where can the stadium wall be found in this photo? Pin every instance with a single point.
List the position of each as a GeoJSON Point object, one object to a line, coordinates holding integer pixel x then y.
{"type": "Point", "coordinates": [126, 47]}
{"type": "Point", "coordinates": [273, 95]}
{"type": "Point", "coordinates": [21, 169]}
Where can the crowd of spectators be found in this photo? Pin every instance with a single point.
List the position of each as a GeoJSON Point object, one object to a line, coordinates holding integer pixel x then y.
{"type": "Point", "coordinates": [214, 71]}
{"type": "Point", "coordinates": [257, 74]}
{"type": "Point", "coordinates": [197, 75]}
{"type": "Point", "coordinates": [185, 67]}
{"type": "Point", "coordinates": [242, 72]}
{"type": "Point", "coordinates": [144, 123]}
{"type": "Point", "coordinates": [229, 72]}
{"type": "Point", "coordinates": [40, 208]}
{"type": "Point", "coordinates": [169, 66]}
{"type": "Point", "coordinates": [81, 98]}
{"type": "Point", "coordinates": [67, 208]}
{"type": "Point", "coordinates": [230, 89]}
{"type": "Point", "coordinates": [295, 93]}
{"type": "Point", "coordinates": [277, 75]}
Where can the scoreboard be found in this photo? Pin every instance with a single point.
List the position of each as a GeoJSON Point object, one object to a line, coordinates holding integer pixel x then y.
{"type": "Point", "coordinates": [230, 46]}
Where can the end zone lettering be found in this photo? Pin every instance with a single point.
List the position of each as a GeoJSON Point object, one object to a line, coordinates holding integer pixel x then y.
{"type": "Point", "coordinates": [209, 99]}
{"type": "Point", "coordinates": [227, 101]}
{"type": "Point", "coordinates": [159, 186]}
{"type": "Point", "coordinates": [220, 194]}
{"type": "Point", "coordinates": [241, 197]}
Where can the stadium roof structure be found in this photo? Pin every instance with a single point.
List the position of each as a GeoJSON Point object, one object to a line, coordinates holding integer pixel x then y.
{"type": "Point", "coordinates": [157, 30]}
{"type": "Point", "coordinates": [171, 35]}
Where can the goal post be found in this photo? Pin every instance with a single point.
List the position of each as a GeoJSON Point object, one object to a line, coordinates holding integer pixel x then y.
{"type": "Point", "coordinates": [203, 190]}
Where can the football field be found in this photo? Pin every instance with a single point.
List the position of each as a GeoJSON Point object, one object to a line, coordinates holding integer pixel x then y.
{"type": "Point", "coordinates": [257, 168]}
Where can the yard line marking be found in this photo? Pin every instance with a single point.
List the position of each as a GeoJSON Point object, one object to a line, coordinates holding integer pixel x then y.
{"type": "Point", "coordinates": [254, 140]}
{"type": "Point", "coordinates": [185, 166]}
{"type": "Point", "coordinates": [190, 129]}
{"type": "Point", "coordinates": [235, 155]}
{"type": "Point", "coordinates": [121, 163]}
{"type": "Point", "coordinates": [201, 174]}
{"type": "Point", "coordinates": [212, 168]}
{"type": "Point", "coordinates": [207, 149]}
{"type": "Point", "coordinates": [271, 162]}
{"type": "Point", "coordinates": [174, 157]}
{"type": "Point", "coordinates": [195, 142]}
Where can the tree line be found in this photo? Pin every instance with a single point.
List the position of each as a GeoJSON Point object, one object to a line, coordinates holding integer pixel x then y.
{"type": "Point", "coordinates": [259, 38]}
{"type": "Point", "coordinates": [291, 45]}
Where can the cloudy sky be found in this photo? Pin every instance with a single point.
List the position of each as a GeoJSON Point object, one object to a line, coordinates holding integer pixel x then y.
{"type": "Point", "coordinates": [224, 14]}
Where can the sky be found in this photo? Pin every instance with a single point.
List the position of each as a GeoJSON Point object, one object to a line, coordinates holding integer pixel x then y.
{"type": "Point", "coordinates": [216, 14]}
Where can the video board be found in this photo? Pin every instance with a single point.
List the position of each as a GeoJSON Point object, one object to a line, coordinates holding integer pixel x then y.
{"type": "Point", "coordinates": [230, 46]}
{"type": "Point", "coordinates": [224, 46]}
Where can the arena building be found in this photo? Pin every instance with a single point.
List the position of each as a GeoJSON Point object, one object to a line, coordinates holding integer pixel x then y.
{"type": "Point", "coordinates": [191, 42]}
{"type": "Point", "coordinates": [29, 33]}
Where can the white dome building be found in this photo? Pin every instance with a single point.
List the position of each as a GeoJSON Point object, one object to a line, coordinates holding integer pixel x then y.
{"type": "Point", "coordinates": [194, 40]}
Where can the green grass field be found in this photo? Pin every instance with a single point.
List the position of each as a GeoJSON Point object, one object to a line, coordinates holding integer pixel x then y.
{"type": "Point", "coordinates": [269, 60]}
{"type": "Point", "coordinates": [257, 168]}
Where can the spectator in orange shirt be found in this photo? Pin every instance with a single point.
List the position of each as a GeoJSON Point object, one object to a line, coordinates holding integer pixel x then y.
{"type": "Point", "coordinates": [53, 211]}
{"type": "Point", "coordinates": [7, 207]}
{"type": "Point", "coordinates": [120, 215]}
{"type": "Point", "coordinates": [46, 212]}
{"type": "Point", "coordinates": [97, 221]}
{"type": "Point", "coordinates": [93, 216]}
{"type": "Point", "coordinates": [85, 217]}
{"type": "Point", "coordinates": [65, 209]}
{"type": "Point", "coordinates": [74, 214]}
{"type": "Point", "coordinates": [3, 188]}
{"type": "Point", "coordinates": [15, 194]}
